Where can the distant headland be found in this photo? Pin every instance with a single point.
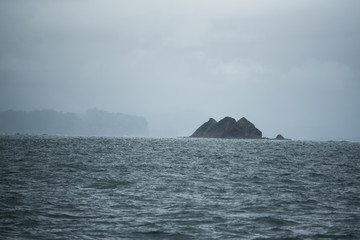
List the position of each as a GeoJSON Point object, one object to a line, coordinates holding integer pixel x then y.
{"type": "Point", "coordinates": [230, 128]}
{"type": "Point", "coordinates": [93, 123]}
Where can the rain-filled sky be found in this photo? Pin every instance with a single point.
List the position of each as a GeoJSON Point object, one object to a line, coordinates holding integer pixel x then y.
{"type": "Point", "coordinates": [290, 67]}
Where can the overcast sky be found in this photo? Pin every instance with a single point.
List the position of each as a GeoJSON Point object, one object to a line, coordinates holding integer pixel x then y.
{"type": "Point", "coordinates": [290, 67]}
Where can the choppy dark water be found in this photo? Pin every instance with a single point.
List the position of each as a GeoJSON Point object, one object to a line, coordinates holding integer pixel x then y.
{"type": "Point", "coordinates": [133, 188]}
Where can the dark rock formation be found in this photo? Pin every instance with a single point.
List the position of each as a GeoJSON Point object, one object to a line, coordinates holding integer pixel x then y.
{"type": "Point", "coordinates": [228, 128]}
{"type": "Point", "coordinates": [279, 137]}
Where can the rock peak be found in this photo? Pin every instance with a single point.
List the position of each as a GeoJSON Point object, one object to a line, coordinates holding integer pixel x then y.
{"type": "Point", "coordinates": [212, 120]}
{"type": "Point", "coordinates": [243, 119]}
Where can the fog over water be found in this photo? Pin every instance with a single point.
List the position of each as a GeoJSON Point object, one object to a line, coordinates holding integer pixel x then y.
{"type": "Point", "coordinates": [290, 67]}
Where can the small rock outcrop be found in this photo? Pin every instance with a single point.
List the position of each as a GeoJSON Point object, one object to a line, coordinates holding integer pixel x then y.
{"type": "Point", "coordinates": [279, 137]}
{"type": "Point", "coordinates": [228, 128]}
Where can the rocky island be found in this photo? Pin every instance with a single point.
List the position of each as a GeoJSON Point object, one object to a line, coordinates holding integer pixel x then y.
{"type": "Point", "coordinates": [230, 128]}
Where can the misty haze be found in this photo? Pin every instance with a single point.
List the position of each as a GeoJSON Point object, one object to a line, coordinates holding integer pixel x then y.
{"type": "Point", "coordinates": [179, 119]}
{"type": "Point", "coordinates": [288, 66]}
{"type": "Point", "coordinates": [93, 123]}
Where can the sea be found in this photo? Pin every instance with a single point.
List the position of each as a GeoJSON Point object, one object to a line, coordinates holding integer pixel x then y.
{"type": "Point", "coordinates": [54, 187]}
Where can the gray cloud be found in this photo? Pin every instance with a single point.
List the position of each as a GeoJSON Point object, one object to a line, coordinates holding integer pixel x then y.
{"type": "Point", "coordinates": [288, 66]}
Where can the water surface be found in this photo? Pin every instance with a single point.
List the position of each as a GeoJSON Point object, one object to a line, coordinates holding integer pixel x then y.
{"type": "Point", "coordinates": [143, 188]}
